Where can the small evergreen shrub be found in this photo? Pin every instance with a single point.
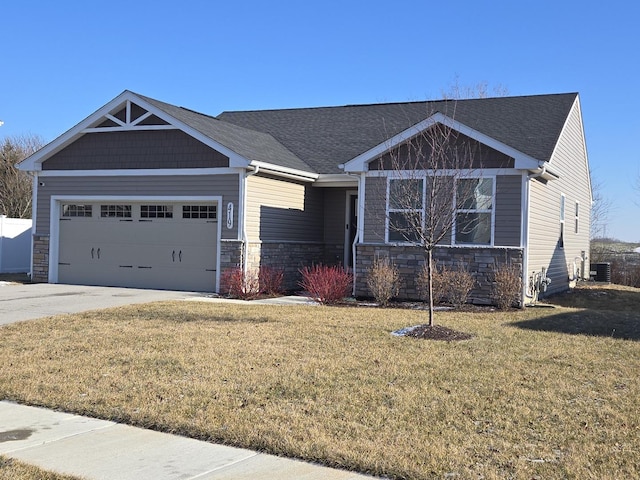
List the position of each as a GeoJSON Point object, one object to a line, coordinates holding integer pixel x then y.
{"type": "Point", "coordinates": [507, 286]}
{"type": "Point", "coordinates": [326, 284]}
{"type": "Point", "coordinates": [383, 280]}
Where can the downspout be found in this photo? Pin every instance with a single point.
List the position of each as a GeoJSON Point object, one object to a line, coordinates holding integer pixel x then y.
{"type": "Point", "coordinates": [245, 238]}
{"type": "Point", "coordinates": [524, 242]}
{"type": "Point", "coordinates": [34, 210]}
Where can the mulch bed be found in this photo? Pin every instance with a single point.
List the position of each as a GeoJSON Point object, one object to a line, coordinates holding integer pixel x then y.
{"type": "Point", "coordinates": [437, 332]}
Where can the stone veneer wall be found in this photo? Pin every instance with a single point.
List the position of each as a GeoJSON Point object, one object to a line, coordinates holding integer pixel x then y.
{"type": "Point", "coordinates": [40, 270]}
{"type": "Point", "coordinates": [288, 256]}
{"type": "Point", "coordinates": [410, 260]}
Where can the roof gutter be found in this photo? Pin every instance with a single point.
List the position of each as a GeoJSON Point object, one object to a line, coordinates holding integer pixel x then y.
{"type": "Point", "coordinates": [285, 172]}
{"type": "Point", "coordinates": [543, 172]}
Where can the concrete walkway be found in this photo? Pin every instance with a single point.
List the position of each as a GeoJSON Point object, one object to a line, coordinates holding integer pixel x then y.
{"type": "Point", "coordinates": [99, 449]}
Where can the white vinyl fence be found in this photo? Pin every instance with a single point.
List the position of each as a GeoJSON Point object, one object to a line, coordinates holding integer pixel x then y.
{"type": "Point", "coordinates": [15, 245]}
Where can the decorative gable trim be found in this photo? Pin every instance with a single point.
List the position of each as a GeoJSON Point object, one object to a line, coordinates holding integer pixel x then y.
{"type": "Point", "coordinates": [359, 163]}
{"type": "Point", "coordinates": [126, 112]}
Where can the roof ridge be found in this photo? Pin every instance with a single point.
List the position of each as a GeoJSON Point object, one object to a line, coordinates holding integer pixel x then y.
{"type": "Point", "coordinates": [411, 102]}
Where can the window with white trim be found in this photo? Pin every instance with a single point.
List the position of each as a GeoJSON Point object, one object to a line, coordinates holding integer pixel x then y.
{"type": "Point", "coordinates": [405, 209]}
{"type": "Point", "coordinates": [562, 208]}
{"type": "Point", "coordinates": [474, 212]}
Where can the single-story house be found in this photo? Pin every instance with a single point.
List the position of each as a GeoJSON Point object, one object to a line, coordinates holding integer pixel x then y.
{"type": "Point", "coordinates": [143, 193]}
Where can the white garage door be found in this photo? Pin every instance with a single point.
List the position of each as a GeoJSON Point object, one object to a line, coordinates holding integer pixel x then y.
{"type": "Point", "coordinates": [143, 245]}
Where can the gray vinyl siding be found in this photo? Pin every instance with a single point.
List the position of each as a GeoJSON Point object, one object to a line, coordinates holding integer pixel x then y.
{"type": "Point", "coordinates": [136, 149]}
{"type": "Point", "coordinates": [570, 163]}
{"type": "Point", "coordinates": [283, 210]}
{"type": "Point", "coordinates": [226, 186]}
{"type": "Point", "coordinates": [508, 215]}
{"type": "Point", "coordinates": [334, 214]}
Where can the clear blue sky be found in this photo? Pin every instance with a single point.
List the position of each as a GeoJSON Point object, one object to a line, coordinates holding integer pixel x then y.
{"type": "Point", "coordinates": [62, 60]}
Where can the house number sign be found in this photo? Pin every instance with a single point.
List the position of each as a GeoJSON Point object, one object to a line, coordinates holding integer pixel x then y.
{"type": "Point", "coordinates": [229, 215]}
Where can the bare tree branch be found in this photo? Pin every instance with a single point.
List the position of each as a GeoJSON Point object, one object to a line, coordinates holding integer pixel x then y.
{"type": "Point", "coordinates": [15, 185]}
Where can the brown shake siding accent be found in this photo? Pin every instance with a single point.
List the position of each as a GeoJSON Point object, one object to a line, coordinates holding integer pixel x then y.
{"type": "Point", "coordinates": [508, 216]}
{"type": "Point", "coordinates": [375, 209]}
{"type": "Point", "coordinates": [226, 186]}
{"type": "Point", "coordinates": [404, 157]}
{"type": "Point", "coordinates": [283, 210]}
{"type": "Point", "coordinates": [136, 149]}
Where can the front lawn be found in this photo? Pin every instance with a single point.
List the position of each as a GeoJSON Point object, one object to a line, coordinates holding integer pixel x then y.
{"type": "Point", "coordinates": [524, 398]}
{"type": "Point", "coordinates": [13, 470]}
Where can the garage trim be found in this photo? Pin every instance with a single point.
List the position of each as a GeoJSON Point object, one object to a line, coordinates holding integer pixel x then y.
{"type": "Point", "coordinates": [58, 200]}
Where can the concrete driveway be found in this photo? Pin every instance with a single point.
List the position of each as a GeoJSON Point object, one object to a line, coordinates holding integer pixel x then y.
{"type": "Point", "coordinates": [28, 301]}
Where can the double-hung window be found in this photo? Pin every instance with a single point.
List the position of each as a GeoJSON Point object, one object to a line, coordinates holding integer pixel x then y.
{"type": "Point", "coordinates": [405, 209]}
{"type": "Point", "coordinates": [474, 211]}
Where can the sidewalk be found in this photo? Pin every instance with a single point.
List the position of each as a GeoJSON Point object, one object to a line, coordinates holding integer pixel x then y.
{"type": "Point", "coordinates": [99, 449]}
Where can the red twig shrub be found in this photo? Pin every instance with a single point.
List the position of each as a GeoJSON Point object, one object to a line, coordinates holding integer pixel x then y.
{"type": "Point", "coordinates": [271, 280]}
{"type": "Point", "coordinates": [236, 284]}
{"type": "Point", "coordinates": [326, 284]}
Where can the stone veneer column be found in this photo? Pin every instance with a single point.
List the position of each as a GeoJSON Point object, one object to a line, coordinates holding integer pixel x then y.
{"type": "Point", "coordinates": [40, 269]}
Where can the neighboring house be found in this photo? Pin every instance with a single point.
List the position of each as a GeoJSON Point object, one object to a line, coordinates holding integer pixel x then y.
{"type": "Point", "coordinates": [147, 194]}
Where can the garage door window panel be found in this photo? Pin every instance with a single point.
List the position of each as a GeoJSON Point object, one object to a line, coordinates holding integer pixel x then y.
{"type": "Point", "coordinates": [200, 211]}
{"type": "Point", "coordinates": [115, 211]}
{"type": "Point", "coordinates": [76, 210]}
{"type": "Point", "coordinates": [156, 211]}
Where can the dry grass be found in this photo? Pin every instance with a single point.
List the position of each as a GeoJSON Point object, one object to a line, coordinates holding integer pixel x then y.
{"type": "Point", "coordinates": [13, 470]}
{"type": "Point", "coordinates": [522, 399]}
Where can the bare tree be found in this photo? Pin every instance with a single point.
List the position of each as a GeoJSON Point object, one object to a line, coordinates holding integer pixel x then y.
{"type": "Point", "coordinates": [600, 209]}
{"type": "Point", "coordinates": [457, 91]}
{"type": "Point", "coordinates": [15, 185]}
{"type": "Point", "coordinates": [433, 190]}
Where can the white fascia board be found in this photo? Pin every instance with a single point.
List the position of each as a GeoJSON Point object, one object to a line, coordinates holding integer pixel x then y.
{"type": "Point", "coordinates": [466, 173]}
{"type": "Point", "coordinates": [147, 172]}
{"type": "Point", "coordinates": [34, 162]}
{"type": "Point", "coordinates": [358, 164]}
{"type": "Point", "coordinates": [336, 180]}
{"type": "Point", "coordinates": [284, 171]}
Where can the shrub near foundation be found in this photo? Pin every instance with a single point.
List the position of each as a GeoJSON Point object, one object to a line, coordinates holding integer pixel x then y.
{"type": "Point", "coordinates": [383, 280]}
{"type": "Point", "coordinates": [506, 289]}
{"type": "Point", "coordinates": [449, 285]}
{"type": "Point", "coordinates": [326, 284]}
